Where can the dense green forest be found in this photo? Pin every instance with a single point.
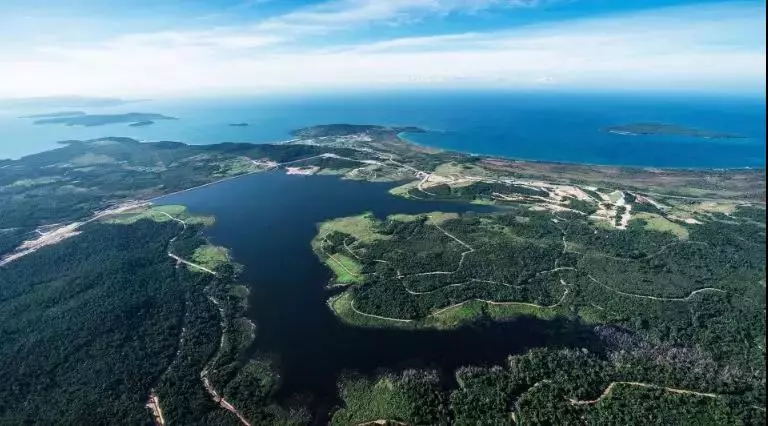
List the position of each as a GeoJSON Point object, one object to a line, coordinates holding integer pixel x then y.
{"type": "Point", "coordinates": [90, 325]}
{"type": "Point", "coordinates": [704, 290]}
{"type": "Point", "coordinates": [691, 312]}
{"type": "Point", "coordinates": [546, 386]}
{"type": "Point", "coordinates": [474, 191]}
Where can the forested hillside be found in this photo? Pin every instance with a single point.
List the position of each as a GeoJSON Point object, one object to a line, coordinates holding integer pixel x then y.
{"type": "Point", "coordinates": [92, 325]}
{"type": "Point", "coordinates": [681, 316]}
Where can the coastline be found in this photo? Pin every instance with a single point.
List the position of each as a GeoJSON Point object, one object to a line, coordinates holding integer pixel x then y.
{"type": "Point", "coordinates": [403, 136]}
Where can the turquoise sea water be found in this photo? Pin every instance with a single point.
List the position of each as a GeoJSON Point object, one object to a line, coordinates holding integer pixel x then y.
{"type": "Point", "coordinates": [535, 126]}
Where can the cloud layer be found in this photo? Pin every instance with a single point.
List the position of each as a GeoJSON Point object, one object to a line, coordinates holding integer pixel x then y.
{"type": "Point", "coordinates": [716, 47]}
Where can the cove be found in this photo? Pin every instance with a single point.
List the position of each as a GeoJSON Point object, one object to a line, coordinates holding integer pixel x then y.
{"type": "Point", "coordinates": [267, 220]}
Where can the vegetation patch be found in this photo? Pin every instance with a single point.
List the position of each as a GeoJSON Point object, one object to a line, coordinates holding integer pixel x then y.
{"type": "Point", "coordinates": [343, 306]}
{"type": "Point", "coordinates": [463, 169]}
{"type": "Point", "coordinates": [346, 270]}
{"type": "Point", "coordinates": [714, 207]}
{"type": "Point", "coordinates": [402, 217]}
{"type": "Point", "coordinates": [361, 227]}
{"type": "Point", "coordinates": [235, 166]}
{"type": "Point", "coordinates": [89, 159]}
{"type": "Point", "coordinates": [160, 213]}
{"type": "Point", "coordinates": [404, 190]}
{"type": "Point", "coordinates": [411, 397]}
{"type": "Point", "coordinates": [511, 310]}
{"type": "Point", "coordinates": [458, 315]}
{"type": "Point", "coordinates": [26, 183]}
{"type": "Point", "coordinates": [211, 256]}
{"type": "Point", "coordinates": [655, 222]}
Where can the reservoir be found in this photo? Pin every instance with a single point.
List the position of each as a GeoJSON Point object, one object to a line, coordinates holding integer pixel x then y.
{"type": "Point", "coordinates": [268, 221]}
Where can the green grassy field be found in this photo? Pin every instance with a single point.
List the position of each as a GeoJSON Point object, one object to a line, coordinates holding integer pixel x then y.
{"type": "Point", "coordinates": [160, 214]}
{"type": "Point", "coordinates": [656, 222]}
{"type": "Point", "coordinates": [211, 256]}
{"type": "Point", "coordinates": [346, 269]}
{"type": "Point", "coordinates": [361, 227]}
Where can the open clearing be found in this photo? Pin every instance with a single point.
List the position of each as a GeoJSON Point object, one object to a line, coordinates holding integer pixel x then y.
{"type": "Point", "coordinates": [211, 256]}
{"type": "Point", "coordinates": [347, 271]}
{"type": "Point", "coordinates": [161, 213]}
{"type": "Point", "coordinates": [361, 227]}
{"type": "Point", "coordinates": [656, 222]}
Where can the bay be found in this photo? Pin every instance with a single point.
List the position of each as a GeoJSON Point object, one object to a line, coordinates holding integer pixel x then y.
{"type": "Point", "coordinates": [563, 127]}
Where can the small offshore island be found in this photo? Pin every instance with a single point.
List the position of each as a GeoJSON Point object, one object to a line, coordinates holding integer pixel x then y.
{"type": "Point", "coordinates": [79, 118]}
{"type": "Point", "coordinates": [664, 267]}
{"type": "Point", "coordinates": [637, 129]}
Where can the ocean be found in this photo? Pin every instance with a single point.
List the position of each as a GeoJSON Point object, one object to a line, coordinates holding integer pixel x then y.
{"type": "Point", "coordinates": [533, 126]}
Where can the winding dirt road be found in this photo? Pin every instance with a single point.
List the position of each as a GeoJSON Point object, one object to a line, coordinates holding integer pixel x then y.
{"type": "Point", "coordinates": [613, 385]}
{"type": "Point", "coordinates": [223, 403]}
{"type": "Point", "coordinates": [352, 305]}
{"type": "Point", "coordinates": [661, 299]}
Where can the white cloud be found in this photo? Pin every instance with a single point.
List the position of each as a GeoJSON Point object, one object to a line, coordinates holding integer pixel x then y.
{"type": "Point", "coordinates": [329, 17]}
{"type": "Point", "coordinates": [712, 47]}
{"type": "Point", "coordinates": [340, 14]}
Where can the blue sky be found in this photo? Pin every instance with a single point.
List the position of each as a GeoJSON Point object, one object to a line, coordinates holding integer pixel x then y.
{"type": "Point", "coordinates": [181, 47]}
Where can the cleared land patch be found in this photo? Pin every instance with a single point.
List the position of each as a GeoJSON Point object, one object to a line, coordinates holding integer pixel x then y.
{"type": "Point", "coordinates": [361, 227]}
{"type": "Point", "coordinates": [347, 271]}
{"type": "Point", "coordinates": [211, 256]}
{"type": "Point", "coordinates": [659, 223]}
{"type": "Point", "coordinates": [160, 213]}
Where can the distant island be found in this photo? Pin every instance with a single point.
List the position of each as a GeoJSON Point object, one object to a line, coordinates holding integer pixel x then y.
{"type": "Point", "coordinates": [65, 102]}
{"type": "Point", "coordinates": [55, 114]}
{"type": "Point", "coordinates": [89, 120]}
{"type": "Point", "coordinates": [238, 124]}
{"type": "Point", "coordinates": [326, 130]}
{"type": "Point", "coordinates": [637, 129]}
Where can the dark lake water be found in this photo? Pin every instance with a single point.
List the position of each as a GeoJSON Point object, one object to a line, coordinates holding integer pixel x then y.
{"type": "Point", "coordinates": [268, 221]}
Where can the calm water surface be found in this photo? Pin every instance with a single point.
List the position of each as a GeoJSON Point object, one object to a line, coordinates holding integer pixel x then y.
{"type": "Point", "coordinates": [268, 221]}
{"type": "Point", "coordinates": [536, 126]}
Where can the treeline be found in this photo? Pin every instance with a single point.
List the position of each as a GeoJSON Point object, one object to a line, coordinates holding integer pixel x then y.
{"type": "Point", "coordinates": [544, 386]}
{"type": "Point", "coordinates": [474, 191]}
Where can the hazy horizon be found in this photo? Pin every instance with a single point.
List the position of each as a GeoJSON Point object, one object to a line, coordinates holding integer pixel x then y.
{"type": "Point", "coordinates": [168, 48]}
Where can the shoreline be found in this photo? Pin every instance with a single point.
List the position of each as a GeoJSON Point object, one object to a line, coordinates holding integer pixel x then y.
{"type": "Point", "coordinates": [407, 140]}
{"type": "Point", "coordinates": [403, 137]}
